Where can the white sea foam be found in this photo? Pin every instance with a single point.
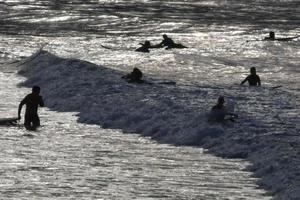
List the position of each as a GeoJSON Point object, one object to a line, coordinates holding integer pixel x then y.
{"type": "Point", "coordinates": [168, 114]}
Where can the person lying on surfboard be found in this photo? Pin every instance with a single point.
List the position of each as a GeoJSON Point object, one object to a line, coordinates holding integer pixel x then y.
{"type": "Point", "coordinates": [272, 37]}
{"type": "Point", "coordinates": [145, 47]}
{"type": "Point", "coordinates": [169, 43]}
{"type": "Point", "coordinates": [219, 113]}
{"type": "Point", "coordinates": [32, 101]}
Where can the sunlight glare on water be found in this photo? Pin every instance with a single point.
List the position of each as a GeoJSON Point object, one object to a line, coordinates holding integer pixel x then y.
{"type": "Point", "coordinates": [225, 39]}
{"type": "Point", "coordinates": [65, 159]}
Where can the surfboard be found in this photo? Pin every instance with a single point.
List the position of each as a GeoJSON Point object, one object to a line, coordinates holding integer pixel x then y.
{"type": "Point", "coordinates": [9, 121]}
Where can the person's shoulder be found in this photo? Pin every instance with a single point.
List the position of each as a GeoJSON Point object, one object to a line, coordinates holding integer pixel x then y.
{"type": "Point", "coordinates": [28, 96]}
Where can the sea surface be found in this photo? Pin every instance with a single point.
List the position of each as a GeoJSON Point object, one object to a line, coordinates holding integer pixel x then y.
{"type": "Point", "coordinates": [104, 138]}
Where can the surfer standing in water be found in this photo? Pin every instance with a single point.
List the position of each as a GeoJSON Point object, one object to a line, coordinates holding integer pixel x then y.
{"type": "Point", "coordinates": [32, 101]}
{"type": "Point", "coordinates": [253, 79]}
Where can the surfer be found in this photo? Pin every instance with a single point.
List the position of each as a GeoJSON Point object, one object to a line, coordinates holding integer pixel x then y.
{"type": "Point", "coordinates": [135, 76]}
{"type": "Point", "coordinates": [219, 112]}
{"type": "Point", "coordinates": [272, 37]}
{"type": "Point", "coordinates": [253, 79]}
{"type": "Point", "coordinates": [169, 43]}
{"type": "Point", "coordinates": [145, 47]}
{"type": "Point", "coordinates": [32, 101]}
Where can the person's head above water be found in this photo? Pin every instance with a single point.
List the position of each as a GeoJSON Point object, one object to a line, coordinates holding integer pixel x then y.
{"type": "Point", "coordinates": [147, 43]}
{"type": "Point", "coordinates": [253, 70]}
{"type": "Point", "coordinates": [272, 35]}
{"type": "Point", "coordinates": [36, 89]}
{"type": "Point", "coordinates": [165, 36]}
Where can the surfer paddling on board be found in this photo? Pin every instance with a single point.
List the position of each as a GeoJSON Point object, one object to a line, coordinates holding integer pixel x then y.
{"type": "Point", "coordinates": [272, 37]}
{"type": "Point", "coordinates": [169, 43]}
{"type": "Point", "coordinates": [145, 47]}
{"type": "Point", "coordinates": [32, 101]}
{"type": "Point", "coordinates": [219, 113]}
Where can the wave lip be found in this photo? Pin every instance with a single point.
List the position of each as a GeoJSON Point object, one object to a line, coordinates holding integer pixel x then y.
{"type": "Point", "coordinates": [100, 96]}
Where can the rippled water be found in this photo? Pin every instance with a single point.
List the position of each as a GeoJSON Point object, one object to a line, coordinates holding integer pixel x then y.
{"type": "Point", "coordinates": [66, 159]}
{"type": "Point", "coordinates": [216, 32]}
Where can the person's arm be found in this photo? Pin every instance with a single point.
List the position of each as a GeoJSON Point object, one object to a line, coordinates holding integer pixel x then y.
{"type": "Point", "coordinates": [258, 80]}
{"type": "Point", "coordinates": [41, 101]}
{"type": "Point", "coordinates": [246, 79]}
{"type": "Point", "coordinates": [20, 107]}
{"type": "Point", "coordinates": [162, 44]}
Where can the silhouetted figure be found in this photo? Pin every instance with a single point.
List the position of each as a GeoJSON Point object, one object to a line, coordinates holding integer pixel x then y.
{"type": "Point", "coordinates": [32, 101]}
{"type": "Point", "coordinates": [169, 43]}
{"type": "Point", "coordinates": [219, 112]}
{"type": "Point", "coordinates": [145, 47]}
{"type": "Point", "coordinates": [135, 76]}
{"type": "Point", "coordinates": [272, 37]}
{"type": "Point", "coordinates": [253, 79]}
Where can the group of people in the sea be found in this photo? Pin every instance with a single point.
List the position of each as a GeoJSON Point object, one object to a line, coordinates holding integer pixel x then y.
{"type": "Point", "coordinates": [167, 42]}
{"type": "Point", "coordinates": [218, 112]}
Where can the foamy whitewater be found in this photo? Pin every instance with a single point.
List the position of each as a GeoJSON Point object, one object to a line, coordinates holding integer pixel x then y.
{"type": "Point", "coordinates": [77, 53]}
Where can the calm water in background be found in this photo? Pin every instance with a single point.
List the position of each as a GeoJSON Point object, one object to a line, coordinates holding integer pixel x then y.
{"type": "Point", "coordinates": [76, 160]}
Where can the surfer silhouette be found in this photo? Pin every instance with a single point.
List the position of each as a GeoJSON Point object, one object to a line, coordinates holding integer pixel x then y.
{"type": "Point", "coordinates": [169, 43]}
{"type": "Point", "coordinates": [144, 48]}
{"type": "Point", "coordinates": [135, 76]}
{"type": "Point", "coordinates": [253, 79]}
{"type": "Point", "coordinates": [272, 37]}
{"type": "Point", "coordinates": [32, 101]}
{"type": "Point", "coordinates": [219, 112]}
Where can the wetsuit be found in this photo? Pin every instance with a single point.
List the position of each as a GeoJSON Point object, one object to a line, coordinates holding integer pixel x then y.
{"type": "Point", "coordinates": [32, 101]}
{"type": "Point", "coordinates": [143, 48]}
{"type": "Point", "coordinates": [168, 42]}
{"type": "Point", "coordinates": [135, 76]}
{"type": "Point", "coordinates": [252, 79]}
{"type": "Point", "coordinates": [218, 113]}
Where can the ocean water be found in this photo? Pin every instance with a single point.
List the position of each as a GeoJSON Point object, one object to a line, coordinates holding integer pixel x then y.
{"type": "Point", "coordinates": [103, 138]}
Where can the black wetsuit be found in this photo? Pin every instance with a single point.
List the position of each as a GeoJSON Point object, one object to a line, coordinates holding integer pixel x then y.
{"type": "Point", "coordinates": [253, 80]}
{"type": "Point", "coordinates": [168, 42]}
{"type": "Point", "coordinates": [32, 102]}
{"type": "Point", "coordinates": [143, 49]}
{"type": "Point", "coordinates": [134, 77]}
